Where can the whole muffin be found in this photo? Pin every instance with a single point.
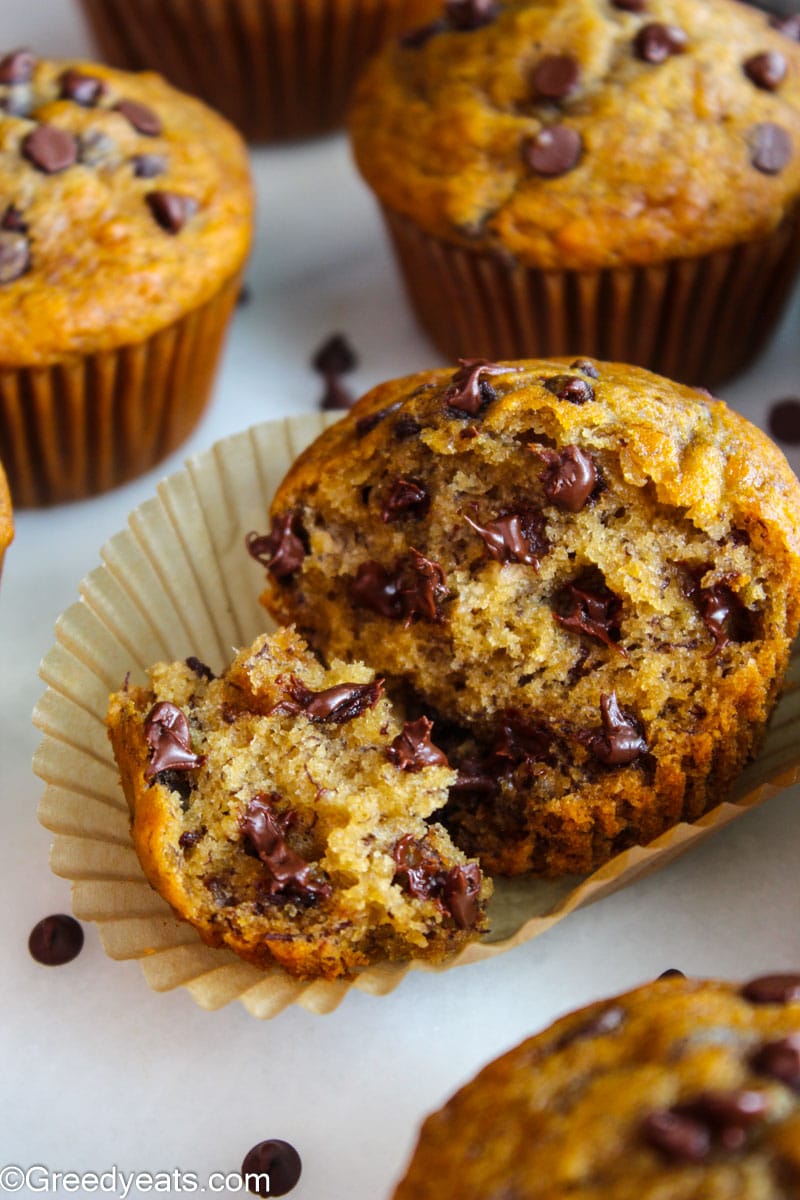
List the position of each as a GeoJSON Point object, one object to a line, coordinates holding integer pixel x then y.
{"type": "Point", "coordinates": [682, 1089]}
{"type": "Point", "coordinates": [6, 517]}
{"type": "Point", "coordinates": [125, 221]}
{"type": "Point", "coordinates": [282, 810]}
{"type": "Point", "coordinates": [609, 177]}
{"type": "Point", "coordinates": [588, 576]}
{"type": "Point", "coordinates": [277, 68]}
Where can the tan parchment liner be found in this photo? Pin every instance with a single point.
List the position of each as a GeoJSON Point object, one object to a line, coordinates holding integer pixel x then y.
{"type": "Point", "coordinates": [178, 582]}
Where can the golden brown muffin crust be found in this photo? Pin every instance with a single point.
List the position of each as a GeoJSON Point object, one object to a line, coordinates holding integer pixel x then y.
{"type": "Point", "coordinates": [6, 515]}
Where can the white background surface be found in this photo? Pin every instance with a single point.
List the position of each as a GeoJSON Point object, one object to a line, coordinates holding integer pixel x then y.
{"type": "Point", "coordinates": [96, 1069]}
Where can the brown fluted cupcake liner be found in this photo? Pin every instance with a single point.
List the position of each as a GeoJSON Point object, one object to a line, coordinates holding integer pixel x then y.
{"type": "Point", "coordinates": [696, 320]}
{"type": "Point", "coordinates": [78, 428]}
{"type": "Point", "coordinates": [277, 69]}
{"type": "Point", "coordinates": [178, 581]}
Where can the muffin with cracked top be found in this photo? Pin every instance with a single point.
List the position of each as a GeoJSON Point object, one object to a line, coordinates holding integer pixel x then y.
{"type": "Point", "coordinates": [591, 176]}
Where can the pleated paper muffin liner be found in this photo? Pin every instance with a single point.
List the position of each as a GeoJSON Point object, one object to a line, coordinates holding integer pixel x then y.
{"type": "Point", "coordinates": [80, 427]}
{"type": "Point", "coordinates": [277, 69]}
{"type": "Point", "coordinates": [697, 320]}
{"type": "Point", "coordinates": [176, 582]}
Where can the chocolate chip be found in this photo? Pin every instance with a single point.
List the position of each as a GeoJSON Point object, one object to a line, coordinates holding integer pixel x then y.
{"type": "Point", "coordinates": [620, 741]}
{"type": "Point", "coordinates": [85, 90]}
{"type": "Point", "coordinates": [555, 76]}
{"type": "Point", "coordinates": [171, 209]}
{"type": "Point", "coordinates": [333, 705]}
{"type": "Point", "coordinates": [420, 873]}
{"type": "Point", "coordinates": [672, 973]}
{"type": "Point", "coordinates": [677, 1137]}
{"type": "Point", "coordinates": [727, 1111]}
{"type": "Point", "coordinates": [413, 749]}
{"type": "Point", "coordinates": [586, 366]}
{"type": "Point", "coordinates": [200, 669]}
{"type": "Point", "coordinates": [765, 70]}
{"type": "Point", "coordinates": [50, 149]}
{"type": "Point", "coordinates": [179, 782]}
{"type": "Point", "coordinates": [780, 1060]}
{"type": "Point", "coordinates": [289, 875]}
{"type": "Point", "coordinates": [190, 837]}
{"type": "Point", "coordinates": [148, 166]}
{"type": "Point", "coordinates": [722, 612]}
{"type": "Point", "coordinates": [335, 356]}
{"type": "Point", "coordinates": [220, 890]}
{"type": "Point", "coordinates": [17, 67]}
{"type": "Point", "coordinates": [466, 15]}
{"type": "Point", "coordinates": [14, 220]}
{"type": "Point", "coordinates": [634, 6]}
{"type": "Point", "coordinates": [405, 498]}
{"type": "Point", "coordinates": [15, 256]}
{"type": "Point", "coordinates": [770, 147]}
{"type": "Point", "coordinates": [422, 588]}
{"type": "Point", "coordinates": [772, 989]}
{"type": "Point", "coordinates": [571, 388]}
{"type": "Point", "coordinates": [553, 151]}
{"type": "Point", "coordinates": [520, 740]}
{"type": "Point", "coordinates": [415, 39]}
{"type": "Point", "coordinates": [365, 425]}
{"type": "Point", "coordinates": [609, 1020]}
{"type": "Point", "coordinates": [377, 589]}
{"type": "Point", "coordinates": [142, 118]}
{"type": "Point", "coordinates": [784, 421]}
{"type": "Point", "coordinates": [514, 537]}
{"type": "Point", "coordinates": [461, 894]}
{"type": "Point", "coordinates": [167, 734]}
{"type": "Point", "coordinates": [570, 478]}
{"type": "Point", "coordinates": [406, 428]}
{"type": "Point", "coordinates": [655, 43]}
{"type": "Point", "coordinates": [56, 940]}
{"type": "Point", "coordinates": [589, 607]}
{"type": "Point", "coordinates": [469, 392]}
{"type": "Point", "coordinates": [274, 1168]}
{"type": "Point", "coordinates": [282, 550]}
{"type": "Point", "coordinates": [477, 777]}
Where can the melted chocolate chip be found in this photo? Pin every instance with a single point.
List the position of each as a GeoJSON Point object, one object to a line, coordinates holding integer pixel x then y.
{"type": "Point", "coordinates": [420, 873]}
{"type": "Point", "coordinates": [784, 421]}
{"type": "Point", "coordinates": [766, 71]}
{"type": "Point", "coordinates": [514, 537]}
{"type": "Point", "coordinates": [521, 740]}
{"type": "Point", "coordinates": [570, 478]}
{"type": "Point", "coordinates": [468, 392]}
{"type": "Point", "coordinates": [85, 90]}
{"type": "Point", "coordinates": [586, 366]}
{"type": "Point", "coordinates": [422, 588]}
{"type": "Point", "coordinates": [412, 750]}
{"type": "Point", "coordinates": [770, 147]}
{"type": "Point", "coordinates": [405, 498]}
{"type": "Point", "coordinates": [461, 893]}
{"type": "Point", "coordinates": [365, 425]}
{"type": "Point", "coordinates": [335, 356]}
{"type": "Point", "coordinates": [722, 612]}
{"type": "Point", "coordinates": [466, 15]}
{"type": "Point", "coordinates": [190, 837]}
{"type": "Point", "coordinates": [553, 151]}
{"type": "Point", "coordinates": [677, 1137]}
{"type": "Point", "coordinates": [282, 550]}
{"type": "Point", "coordinates": [167, 733]}
{"type": "Point", "coordinates": [142, 118]}
{"type": "Point", "coordinates": [17, 67]}
{"type": "Point", "coordinates": [333, 705]}
{"type": "Point", "coordinates": [274, 1161]}
{"type": "Point", "coordinates": [607, 1021]}
{"type": "Point", "coordinates": [148, 166]}
{"type": "Point", "coordinates": [555, 76]}
{"type": "Point", "coordinates": [591, 608]}
{"type": "Point", "coordinates": [171, 210]}
{"type": "Point", "coordinates": [378, 590]}
{"type": "Point", "coordinates": [289, 874]}
{"type": "Point", "coordinates": [50, 149]}
{"type": "Point", "coordinates": [200, 669]}
{"type": "Point", "coordinates": [620, 741]}
{"type": "Point", "coordinates": [406, 428]}
{"type": "Point", "coordinates": [571, 388]}
{"type": "Point", "coordinates": [477, 777]}
{"type": "Point", "coordinates": [772, 989]}
{"type": "Point", "coordinates": [336, 397]}
{"type": "Point", "coordinates": [56, 940]}
{"type": "Point", "coordinates": [780, 1060]}
{"type": "Point", "coordinates": [655, 43]}
{"type": "Point", "coordinates": [15, 256]}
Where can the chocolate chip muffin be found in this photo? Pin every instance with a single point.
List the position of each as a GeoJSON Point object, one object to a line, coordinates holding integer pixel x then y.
{"type": "Point", "coordinates": [587, 576]}
{"type": "Point", "coordinates": [605, 177]}
{"type": "Point", "coordinates": [125, 220]}
{"type": "Point", "coordinates": [283, 810]}
{"type": "Point", "coordinates": [6, 517]}
{"type": "Point", "coordinates": [683, 1089]}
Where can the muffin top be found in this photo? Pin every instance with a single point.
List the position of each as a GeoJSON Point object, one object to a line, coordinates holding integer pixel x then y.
{"type": "Point", "coordinates": [682, 1088]}
{"type": "Point", "coordinates": [586, 134]}
{"type": "Point", "coordinates": [124, 204]}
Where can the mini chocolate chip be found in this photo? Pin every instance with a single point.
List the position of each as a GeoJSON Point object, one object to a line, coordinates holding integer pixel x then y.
{"type": "Point", "coordinates": [289, 875]}
{"type": "Point", "coordinates": [466, 15]}
{"type": "Point", "coordinates": [784, 421]}
{"type": "Point", "coordinates": [676, 1136]}
{"type": "Point", "coordinates": [586, 366]}
{"type": "Point", "coordinates": [85, 90]}
{"type": "Point", "coordinates": [514, 537]}
{"type": "Point", "coordinates": [772, 989]}
{"type": "Point", "coordinates": [335, 356]}
{"type": "Point", "coordinates": [167, 734]}
{"type": "Point", "coordinates": [56, 940]}
{"type": "Point", "coordinates": [283, 549]}
{"type": "Point", "coordinates": [148, 166]}
{"type": "Point", "coordinates": [142, 118]}
{"type": "Point", "coordinates": [765, 70]}
{"type": "Point", "coordinates": [171, 209]}
{"type": "Point", "coordinates": [571, 388]}
{"type": "Point", "coordinates": [200, 669]}
{"type": "Point", "coordinates": [15, 256]}
{"type": "Point", "coordinates": [50, 149]}
{"type": "Point", "coordinates": [570, 477]}
{"type": "Point", "coordinates": [14, 220]}
{"type": "Point", "coordinates": [780, 1060]}
{"type": "Point", "coordinates": [655, 43]}
{"type": "Point", "coordinates": [555, 76]}
{"type": "Point", "coordinates": [406, 428]}
{"type": "Point", "coordinates": [553, 151]}
{"type": "Point", "coordinates": [770, 147]}
{"type": "Point", "coordinates": [273, 1160]}
{"type": "Point", "coordinates": [413, 749]}
{"type": "Point", "coordinates": [620, 741]}
{"type": "Point", "coordinates": [332, 706]}
{"type": "Point", "coordinates": [17, 67]}
{"type": "Point", "coordinates": [672, 973]}
{"type": "Point", "coordinates": [405, 498]}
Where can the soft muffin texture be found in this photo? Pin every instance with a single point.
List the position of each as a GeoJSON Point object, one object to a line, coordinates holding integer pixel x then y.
{"type": "Point", "coordinates": [576, 1111]}
{"type": "Point", "coordinates": [292, 836]}
{"type": "Point", "coordinates": [103, 271]}
{"type": "Point", "coordinates": [601, 677]}
{"type": "Point", "coordinates": [441, 131]}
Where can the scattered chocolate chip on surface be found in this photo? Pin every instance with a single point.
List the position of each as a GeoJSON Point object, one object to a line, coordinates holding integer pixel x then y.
{"type": "Point", "coordinates": [365, 425]}
{"type": "Point", "coordinates": [332, 706]}
{"type": "Point", "coordinates": [405, 498]}
{"type": "Point", "coordinates": [721, 611]}
{"type": "Point", "coordinates": [589, 607]}
{"type": "Point", "coordinates": [56, 940]}
{"type": "Point", "coordinates": [420, 873]}
{"type": "Point", "coordinates": [461, 894]}
{"type": "Point", "coordinates": [83, 89]}
{"type": "Point", "coordinates": [15, 256]}
{"type": "Point", "coordinates": [586, 366]}
{"type": "Point", "coordinates": [770, 147]}
{"type": "Point", "coordinates": [570, 476]}
{"type": "Point", "coordinates": [469, 392]}
{"type": "Point", "coordinates": [13, 220]}
{"type": "Point", "coordinates": [553, 151]}
{"type": "Point", "coordinates": [413, 589]}
{"type": "Point", "coordinates": [656, 42]}
{"type": "Point", "coordinates": [148, 166]}
{"type": "Point", "coordinates": [773, 989]}
{"type": "Point", "coordinates": [276, 1160]}
{"type": "Point", "coordinates": [466, 15]}
{"type": "Point", "coordinates": [167, 733]}
{"type": "Point", "coordinates": [413, 749]}
{"type": "Point", "coordinates": [555, 76]}
{"type": "Point", "coordinates": [621, 740]}
{"type": "Point", "coordinates": [521, 740]}
{"type": "Point", "coordinates": [289, 875]}
{"type": "Point", "coordinates": [784, 421]}
{"type": "Point", "coordinates": [142, 118]}
{"type": "Point", "coordinates": [171, 209]}
{"type": "Point", "coordinates": [779, 1059]}
{"type": "Point", "coordinates": [514, 537]}
{"type": "Point", "coordinates": [50, 149]}
{"type": "Point", "coordinates": [17, 67]}
{"type": "Point", "coordinates": [767, 70]}
{"type": "Point", "coordinates": [570, 387]}
{"type": "Point", "coordinates": [377, 589]}
{"type": "Point", "coordinates": [282, 550]}
{"type": "Point", "coordinates": [677, 1137]}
